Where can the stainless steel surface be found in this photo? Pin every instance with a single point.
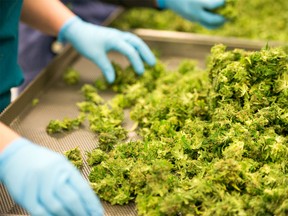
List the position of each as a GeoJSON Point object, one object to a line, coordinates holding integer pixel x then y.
{"type": "Point", "coordinates": [57, 100]}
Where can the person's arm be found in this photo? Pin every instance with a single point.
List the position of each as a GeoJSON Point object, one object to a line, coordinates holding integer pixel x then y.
{"type": "Point", "coordinates": [92, 41]}
{"type": "Point", "coordinates": [46, 16]}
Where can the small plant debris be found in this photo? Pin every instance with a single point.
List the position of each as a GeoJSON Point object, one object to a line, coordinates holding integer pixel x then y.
{"type": "Point", "coordinates": [71, 76]}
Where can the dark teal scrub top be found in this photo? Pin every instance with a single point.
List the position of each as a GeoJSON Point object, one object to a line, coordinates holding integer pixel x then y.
{"type": "Point", "coordinates": [10, 72]}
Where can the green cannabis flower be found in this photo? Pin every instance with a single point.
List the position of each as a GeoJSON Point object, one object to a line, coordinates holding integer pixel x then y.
{"type": "Point", "coordinates": [67, 124]}
{"type": "Point", "coordinates": [213, 142]}
{"type": "Point", "coordinates": [74, 156]}
{"type": "Point", "coordinates": [96, 157]}
{"type": "Point", "coordinates": [35, 101]}
{"type": "Point", "coordinates": [71, 76]}
{"type": "Point", "coordinates": [229, 10]}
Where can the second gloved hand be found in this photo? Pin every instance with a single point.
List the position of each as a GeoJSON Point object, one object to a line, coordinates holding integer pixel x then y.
{"type": "Point", "coordinates": [94, 42]}
{"type": "Point", "coordinates": [44, 182]}
{"type": "Point", "coordinates": [196, 11]}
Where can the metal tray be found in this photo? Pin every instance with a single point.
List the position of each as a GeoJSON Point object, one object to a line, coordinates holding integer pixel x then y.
{"type": "Point", "coordinates": [57, 100]}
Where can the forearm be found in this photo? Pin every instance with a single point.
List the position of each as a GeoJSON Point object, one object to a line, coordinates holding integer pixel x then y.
{"type": "Point", "coordinates": [133, 3]}
{"type": "Point", "coordinates": [47, 16]}
{"type": "Point", "coordinates": [6, 136]}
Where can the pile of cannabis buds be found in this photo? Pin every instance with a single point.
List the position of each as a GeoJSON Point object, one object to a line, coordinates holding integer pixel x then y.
{"type": "Point", "coordinates": [213, 142]}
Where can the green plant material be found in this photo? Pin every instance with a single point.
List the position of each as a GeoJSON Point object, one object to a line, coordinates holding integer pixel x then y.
{"type": "Point", "coordinates": [71, 76]}
{"type": "Point", "coordinates": [120, 82]}
{"type": "Point", "coordinates": [91, 95]}
{"type": "Point", "coordinates": [104, 119]}
{"type": "Point", "coordinates": [96, 157]}
{"type": "Point", "coordinates": [186, 66]}
{"type": "Point", "coordinates": [74, 156]}
{"type": "Point", "coordinates": [35, 101]}
{"type": "Point", "coordinates": [213, 142]}
{"type": "Point", "coordinates": [126, 77]}
{"type": "Point", "coordinates": [117, 189]}
{"type": "Point", "coordinates": [67, 124]}
{"type": "Point", "coordinates": [229, 10]}
{"type": "Point", "coordinates": [258, 19]}
{"type": "Point", "coordinates": [107, 140]}
{"type": "Point", "coordinates": [130, 95]}
{"type": "Point", "coordinates": [107, 122]}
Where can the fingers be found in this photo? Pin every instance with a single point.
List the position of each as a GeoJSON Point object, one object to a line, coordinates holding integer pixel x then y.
{"type": "Point", "coordinates": [135, 50]}
{"type": "Point", "coordinates": [211, 20]}
{"type": "Point", "coordinates": [74, 194]}
{"type": "Point", "coordinates": [97, 41]}
{"type": "Point", "coordinates": [141, 47]}
{"type": "Point", "coordinates": [130, 52]}
{"type": "Point", "coordinates": [62, 194]}
{"type": "Point", "coordinates": [71, 199]}
{"type": "Point", "coordinates": [90, 200]}
{"type": "Point", "coordinates": [105, 66]}
{"type": "Point", "coordinates": [49, 190]}
{"type": "Point", "coordinates": [101, 59]}
{"type": "Point", "coordinates": [30, 198]}
{"type": "Point", "coordinates": [53, 205]}
{"type": "Point", "coordinates": [35, 208]}
{"type": "Point", "coordinates": [211, 5]}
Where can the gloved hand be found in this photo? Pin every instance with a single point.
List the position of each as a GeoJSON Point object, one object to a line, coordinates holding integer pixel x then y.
{"type": "Point", "coordinates": [44, 182]}
{"type": "Point", "coordinates": [94, 42]}
{"type": "Point", "coordinates": [196, 11]}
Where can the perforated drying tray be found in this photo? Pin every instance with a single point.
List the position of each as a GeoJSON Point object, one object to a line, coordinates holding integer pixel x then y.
{"type": "Point", "coordinates": [57, 100]}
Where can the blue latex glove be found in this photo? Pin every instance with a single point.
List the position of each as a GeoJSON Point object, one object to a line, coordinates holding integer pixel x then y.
{"type": "Point", "coordinates": [44, 182]}
{"type": "Point", "coordinates": [196, 11]}
{"type": "Point", "coordinates": [94, 42]}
